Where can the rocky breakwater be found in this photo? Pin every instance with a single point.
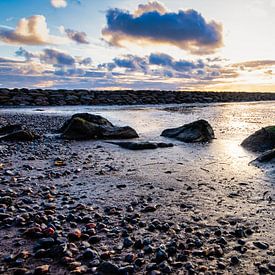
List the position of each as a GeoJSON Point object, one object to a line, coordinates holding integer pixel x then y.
{"type": "Point", "coordinates": [38, 97]}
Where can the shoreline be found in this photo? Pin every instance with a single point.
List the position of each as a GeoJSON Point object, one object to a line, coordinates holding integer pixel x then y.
{"type": "Point", "coordinates": [26, 97]}
{"type": "Point", "coordinates": [180, 218]}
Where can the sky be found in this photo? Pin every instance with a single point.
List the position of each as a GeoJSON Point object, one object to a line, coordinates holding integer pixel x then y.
{"type": "Point", "coordinates": [209, 45]}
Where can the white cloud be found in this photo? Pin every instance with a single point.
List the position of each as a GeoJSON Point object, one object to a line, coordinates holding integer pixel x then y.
{"type": "Point", "coordinates": [149, 7]}
{"type": "Point", "coordinates": [29, 31]}
{"type": "Point", "coordinates": [59, 3]}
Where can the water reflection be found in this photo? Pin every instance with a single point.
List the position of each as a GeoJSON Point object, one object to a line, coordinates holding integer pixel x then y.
{"type": "Point", "coordinates": [224, 157]}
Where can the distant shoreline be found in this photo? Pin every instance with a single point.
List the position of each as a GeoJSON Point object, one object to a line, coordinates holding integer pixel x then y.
{"type": "Point", "coordinates": [38, 97]}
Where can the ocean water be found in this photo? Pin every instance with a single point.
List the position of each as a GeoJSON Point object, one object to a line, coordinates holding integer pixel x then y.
{"type": "Point", "coordinates": [222, 158]}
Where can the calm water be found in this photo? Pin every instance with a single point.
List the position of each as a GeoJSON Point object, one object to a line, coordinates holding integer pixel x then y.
{"type": "Point", "coordinates": [223, 157]}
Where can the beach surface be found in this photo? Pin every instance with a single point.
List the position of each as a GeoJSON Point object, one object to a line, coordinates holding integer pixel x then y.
{"type": "Point", "coordinates": [189, 209]}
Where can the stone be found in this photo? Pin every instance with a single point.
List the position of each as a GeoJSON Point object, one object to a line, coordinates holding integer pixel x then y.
{"type": "Point", "coordinates": [198, 131]}
{"type": "Point", "coordinates": [108, 268]}
{"type": "Point", "coordinates": [8, 129]}
{"type": "Point", "coordinates": [261, 140]}
{"type": "Point", "coordinates": [234, 260]}
{"type": "Point", "coordinates": [266, 156]}
{"type": "Point", "coordinates": [135, 146]}
{"type": "Point", "coordinates": [22, 135]}
{"type": "Point", "coordinates": [88, 126]}
{"type": "Point", "coordinates": [261, 245]}
{"type": "Point", "coordinates": [40, 270]}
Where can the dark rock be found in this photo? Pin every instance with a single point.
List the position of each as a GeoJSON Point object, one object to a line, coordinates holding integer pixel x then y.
{"type": "Point", "coordinates": [266, 156]}
{"type": "Point", "coordinates": [142, 145]}
{"type": "Point", "coordinates": [127, 242]}
{"type": "Point", "coordinates": [108, 268]}
{"type": "Point", "coordinates": [261, 140]}
{"type": "Point", "coordinates": [149, 208]}
{"type": "Point", "coordinates": [198, 131]}
{"type": "Point", "coordinates": [20, 271]}
{"type": "Point", "coordinates": [5, 130]}
{"type": "Point", "coordinates": [40, 270]}
{"type": "Point", "coordinates": [88, 126]}
{"type": "Point", "coordinates": [271, 267]}
{"type": "Point", "coordinates": [261, 245]}
{"type": "Point", "coordinates": [161, 255]}
{"type": "Point", "coordinates": [235, 260]}
{"type": "Point", "coordinates": [22, 135]}
{"type": "Point", "coordinates": [89, 254]}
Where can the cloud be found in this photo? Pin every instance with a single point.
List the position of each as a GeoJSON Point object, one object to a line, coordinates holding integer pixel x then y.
{"type": "Point", "coordinates": [86, 61]}
{"type": "Point", "coordinates": [149, 7]}
{"type": "Point", "coordinates": [255, 64]}
{"type": "Point", "coordinates": [57, 58]}
{"type": "Point", "coordinates": [78, 37]}
{"type": "Point", "coordinates": [59, 3]}
{"type": "Point", "coordinates": [187, 30]}
{"type": "Point", "coordinates": [180, 65]}
{"type": "Point", "coordinates": [29, 31]}
{"type": "Point", "coordinates": [24, 53]}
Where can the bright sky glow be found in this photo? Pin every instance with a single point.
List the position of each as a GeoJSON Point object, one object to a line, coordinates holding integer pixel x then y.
{"type": "Point", "coordinates": [138, 44]}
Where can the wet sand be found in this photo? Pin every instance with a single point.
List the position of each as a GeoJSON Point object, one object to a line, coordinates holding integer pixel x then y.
{"type": "Point", "coordinates": [188, 209]}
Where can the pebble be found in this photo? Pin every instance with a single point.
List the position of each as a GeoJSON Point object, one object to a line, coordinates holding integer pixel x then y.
{"type": "Point", "coordinates": [40, 270]}
{"type": "Point", "coordinates": [261, 245]}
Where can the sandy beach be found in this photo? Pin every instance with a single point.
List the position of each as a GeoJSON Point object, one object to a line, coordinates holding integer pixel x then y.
{"type": "Point", "coordinates": [189, 209]}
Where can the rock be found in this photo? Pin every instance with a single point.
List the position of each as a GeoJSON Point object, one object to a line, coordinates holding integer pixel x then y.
{"type": "Point", "coordinates": [127, 242]}
{"type": "Point", "coordinates": [198, 131]}
{"type": "Point", "coordinates": [89, 254]}
{"type": "Point", "coordinates": [74, 235]}
{"type": "Point", "coordinates": [261, 140]}
{"type": "Point", "coordinates": [88, 126]}
{"type": "Point", "coordinates": [20, 271]}
{"type": "Point", "coordinates": [142, 145]}
{"type": "Point", "coordinates": [261, 245]}
{"type": "Point", "coordinates": [235, 260]}
{"type": "Point", "coordinates": [161, 255]}
{"type": "Point", "coordinates": [40, 270]}
{"type": "Point", "coordinates": [266, 156]}
{"type": "Point", "coordinates": [107, 268]}
{"type": "Point", "coordinates": [95, 119]}
{"type": "Point", "coordinates": [271, 267]}
{"type": "Point", "coordinates": [149, 208]}
{"type": "Point", "coordinates": [22, 135]}
{"type": "Point", "coordinates": [10, 129]}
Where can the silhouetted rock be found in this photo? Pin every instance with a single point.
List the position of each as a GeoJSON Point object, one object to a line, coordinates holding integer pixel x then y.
{"type": "Point", "coordinates": [261, 140]}
{"type": "Point", "coordinates": [16, 132]}
{"type": "Point", "coordinates": [95, 119]}
{"type": "Point", "coordinates": [142, 145]}
{"type": "Point", "coordinates": [8, 129]}
{"type": "Point", "coordinates": [198, 131]}
{"type": "Point", "coordinates": [266, 156]}
{"type": "Point", "coordinates": [87, 126]}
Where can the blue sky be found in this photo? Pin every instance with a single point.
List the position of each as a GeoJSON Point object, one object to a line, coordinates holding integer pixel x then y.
{"type": "Point", "coordinates": [135, 44]}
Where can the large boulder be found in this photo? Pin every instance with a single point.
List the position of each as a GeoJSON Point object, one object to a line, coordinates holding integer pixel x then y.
{"type": "Point", "coordinates": [87, 126]}
{"type": "Point", "coordinates": [142, 145]}
{"type": "Point", "coordinates": [261, 140]}
{"type": "Point", "coordinates": [16, 132]}
{"type": "Point", "coordinates": [198, 131]}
